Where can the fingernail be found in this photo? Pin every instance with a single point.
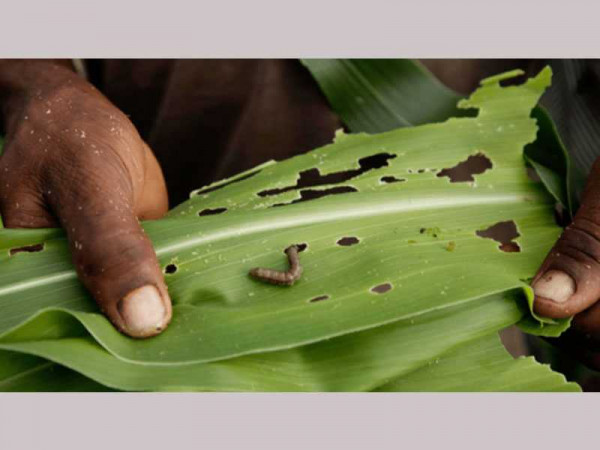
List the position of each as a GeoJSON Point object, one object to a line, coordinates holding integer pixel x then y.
{"type": "Point", "coordinates": [555, 285]}
{"type": "Point", "coordinates": [143, 311]}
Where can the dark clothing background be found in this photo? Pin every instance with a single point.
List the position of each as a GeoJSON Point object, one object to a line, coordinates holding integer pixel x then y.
{"type": "Point", "coordinates": [209, 119]}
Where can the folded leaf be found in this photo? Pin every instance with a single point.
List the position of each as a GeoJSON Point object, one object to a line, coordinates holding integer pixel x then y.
{"type": "Point", "coordinates": [377, 95]}
{"type": "Point", "coordinates": [407, 236]}
{"type": "Point", "coordinates": [355, 362]}
{"type": "Point", "coordinates": [481, 365]}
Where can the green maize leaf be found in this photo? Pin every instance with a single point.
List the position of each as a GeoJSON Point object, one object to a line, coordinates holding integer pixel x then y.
{"type": "Point", "coordinates": [416, 234]}
{"type": "Point", "coordinates": [24, 373]}
{"type": "Point", "coordinates": [481, 365]}
{"type": "Point", "coordinates": [347, 82]}
{"type": "Point", "coordinates": [401, 351]}
{"type": "Point", "coordinates": [377, 95]}
{"type": "Point", "coordinates": [403, 93]}
{"type": "Point", "coordinates": [534, 324]}
{"type": "Point", "coordinates": [380, 80]}
{"type": "Point", "coordinates": [550, 159]}
{"type": "Point", "coordinates": [354, 362]}
{"type": "Point", "coordinates": [220, 312]}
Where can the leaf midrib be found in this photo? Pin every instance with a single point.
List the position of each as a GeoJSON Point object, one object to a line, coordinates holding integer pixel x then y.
{"type": "Point", "coordinates": [299, 216]}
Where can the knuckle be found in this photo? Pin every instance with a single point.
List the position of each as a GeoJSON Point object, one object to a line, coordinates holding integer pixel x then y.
{"type": "Point", "coordinates": [24, 210]}
{"type": "Point", "coordinates": [581, 241]}
{"type": "Point", "coordinates": [111, 252]}
{"type": "Point", "coordinates": [78, 180]}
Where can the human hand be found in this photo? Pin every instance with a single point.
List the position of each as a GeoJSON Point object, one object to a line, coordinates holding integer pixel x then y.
{"type": "Point", "coordinates": [71, 158]}
{"type": "Point", "coordinates": [568, 281]}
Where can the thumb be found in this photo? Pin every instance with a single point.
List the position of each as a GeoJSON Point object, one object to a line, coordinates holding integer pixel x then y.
{"type": "Point", "coordinates": [113, 256]}
{"type": "Point", "coordinates": [568, 281]}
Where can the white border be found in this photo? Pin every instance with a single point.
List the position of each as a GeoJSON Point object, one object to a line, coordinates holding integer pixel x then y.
{"type": "Point", "coordinates": [298, 421]}
{"type": "Point", "coordinates": [300, 28]}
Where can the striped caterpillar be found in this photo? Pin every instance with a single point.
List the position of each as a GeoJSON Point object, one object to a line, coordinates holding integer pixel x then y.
{"type": "Point", "coordinates": [276, 276]}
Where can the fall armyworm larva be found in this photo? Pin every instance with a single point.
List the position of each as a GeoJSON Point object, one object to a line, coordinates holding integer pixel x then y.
{"type": "Point", "coordinates": [276, 276]}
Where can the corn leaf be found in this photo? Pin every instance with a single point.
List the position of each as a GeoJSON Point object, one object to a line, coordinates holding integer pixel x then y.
{"type": "Point", "coordinates": [377, 95]}
{"type": "Point", "coordinates": [481, 365]}
{"type": "Point", "coordinates": [355, 362]}
{"type": "Point", "coordinates": [399, 252]}
{"type": "Point", "coordinates": [410, 85]}
{"type": "Point", "coordinates": [20, 372]}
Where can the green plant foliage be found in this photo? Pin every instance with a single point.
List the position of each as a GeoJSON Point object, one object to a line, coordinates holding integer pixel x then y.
{"type": "Point", "coordinates": [355, 362]}
{"type": "Point", "coordinates": [20, 372]}
{"type": "Point", "coordinates": [410, 84]}
{"type": "Point", "coordinates": [377, 95]}
{"type": "Point", "coordinates": [402, 93]}
{"type": "Point", "coordinates": [481, 366]}
{"type": "Point", "coordinates": [381, 295]}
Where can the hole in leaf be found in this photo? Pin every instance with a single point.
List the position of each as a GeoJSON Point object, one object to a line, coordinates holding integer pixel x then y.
{"type": "Point", "coordinates": [211, 189]}
{"type": "Point", "coordinates": [381, 288]}
{"type": "Point", "coordinates": [319, 298]}
{"type": "Point", "coordinates": [312, 177]}
{"type": "Point", "coordinates": [27, 249]}
{"type": "Point", "coordinates": [468, 112]}
{"type": "Point", "coordinates": [464, 171]}
{"type": "Point", "coordinates": [211, 212]}
{"type": "Point", "coordinates": [348, 241]}
{"type": "Point", "coordinates": [301, 247]}
{"type": "Point", "coordinates": [312, 194]}
{"type": "Point", "coordinates": [504, 233]}
{"type": "Point", "coordinates": [170, 269]}
{"type": "Point", "coordinates": [392, 179]}
{"type": "Point", "coordinates": [513, 81]}
{"type": "Point", "coordinates": [510, 247]}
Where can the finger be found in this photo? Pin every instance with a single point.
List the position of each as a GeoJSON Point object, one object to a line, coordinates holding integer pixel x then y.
{"type": "Point", "coordinates": [23, 210]}
{"type": "Point", "coordinates": [568, 281]}
{"type": "Point", "coordinates": [153, 202]}
{"type": "Point", "coordinates": [113, 256]}
{"type": "Point", "coordinates": [21, 202]}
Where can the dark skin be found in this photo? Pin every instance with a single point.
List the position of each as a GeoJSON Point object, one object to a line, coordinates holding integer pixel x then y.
{"type": "Point", "coordinates": [72, 159]}
{"type": "Point", "coordinates": [88, 171]}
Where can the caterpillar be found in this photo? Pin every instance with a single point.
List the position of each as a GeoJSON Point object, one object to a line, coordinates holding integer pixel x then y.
{"type": "Point", "coordinates": [278, 277]}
